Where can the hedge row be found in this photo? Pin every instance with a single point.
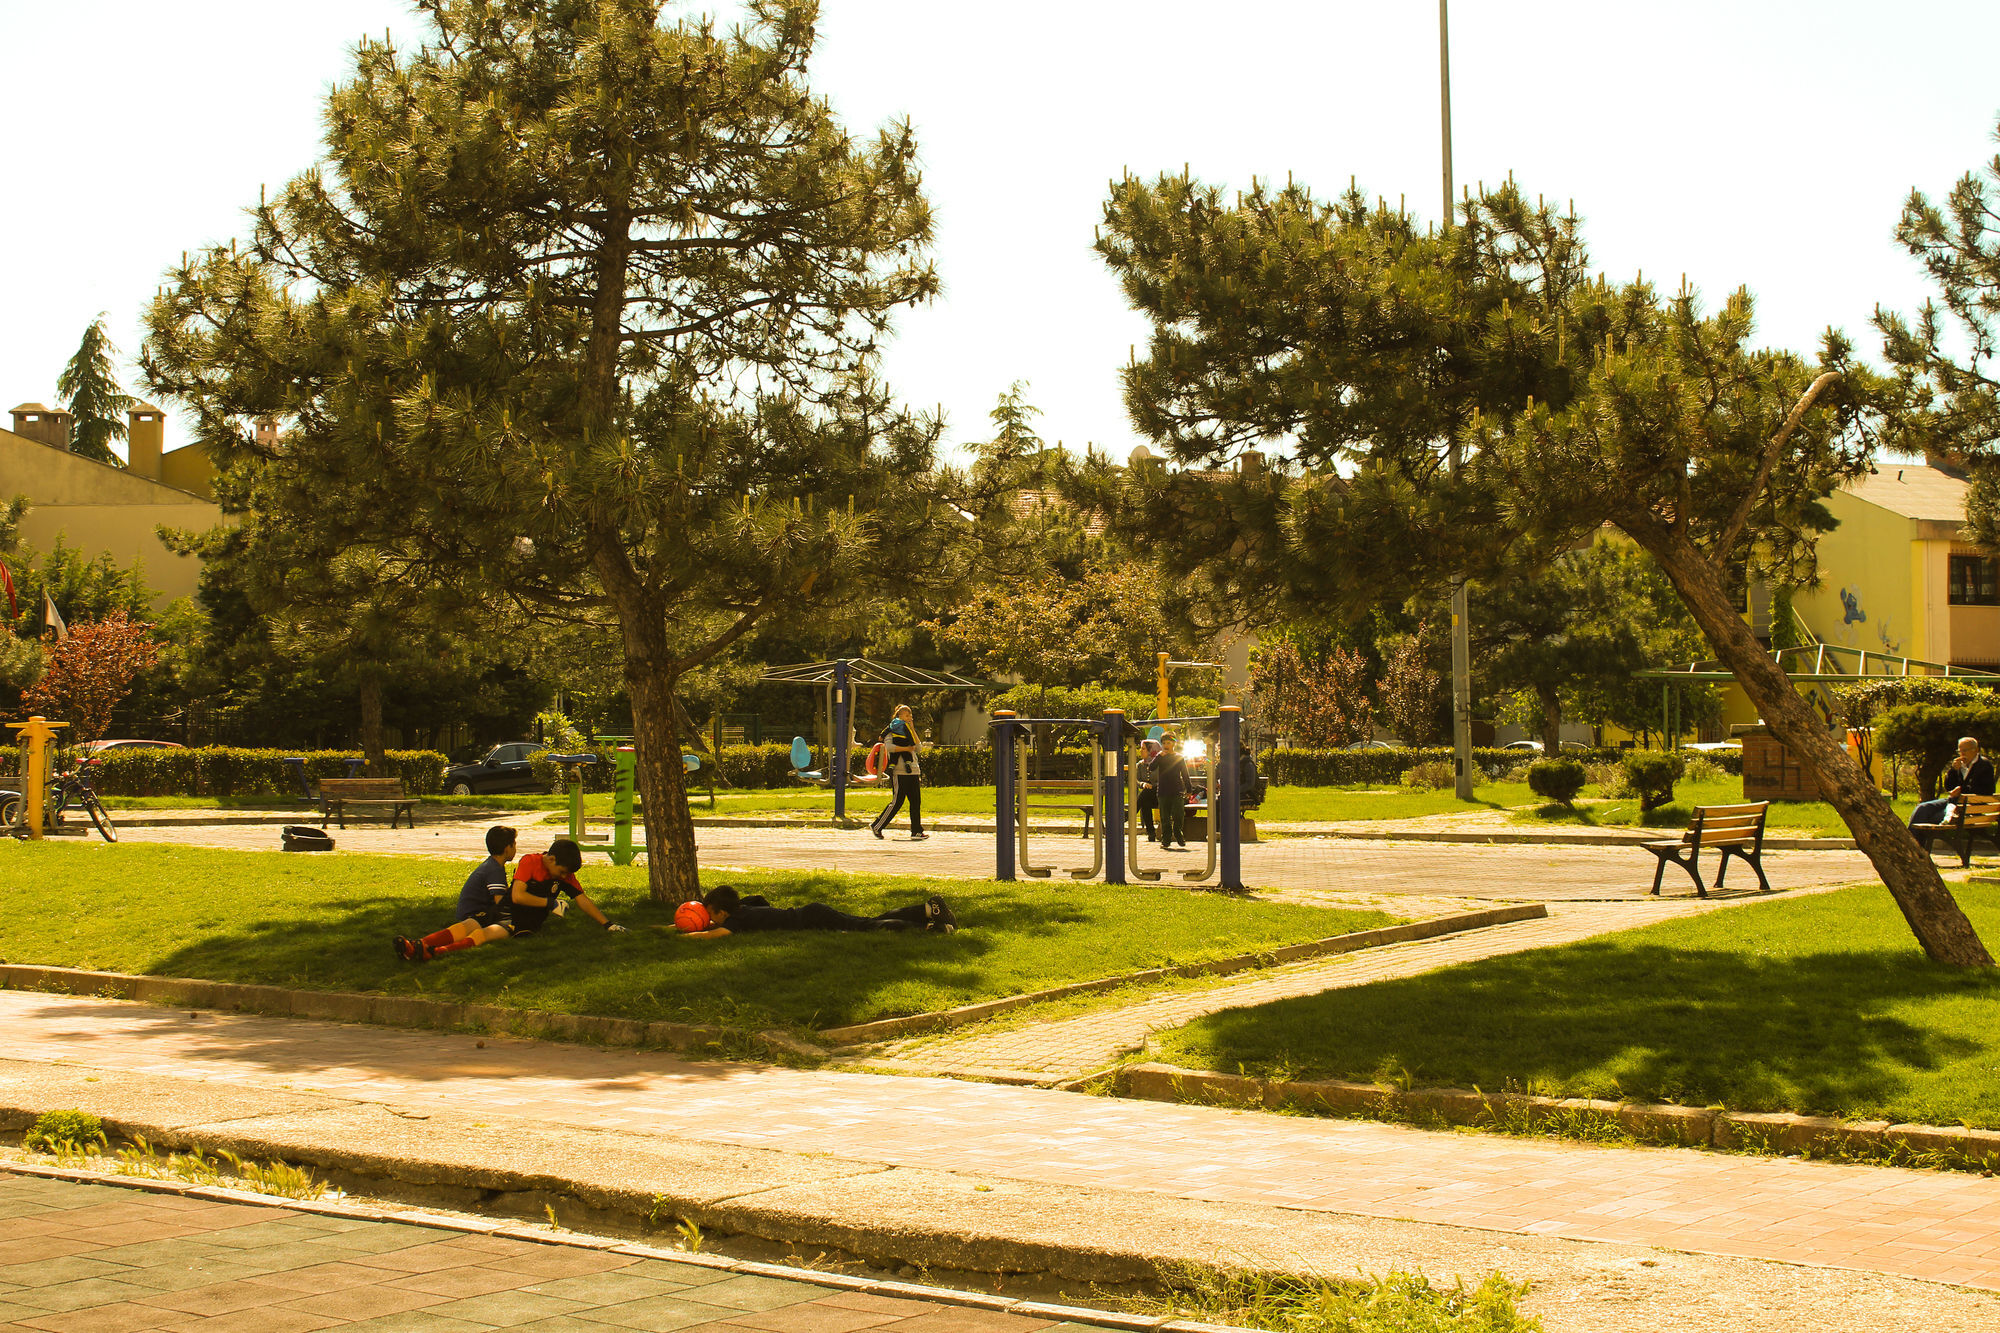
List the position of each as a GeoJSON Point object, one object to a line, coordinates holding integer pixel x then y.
{"type": "Point", "coordinates": [1385, 767]}
{"type": "Point", "coordinates": [222, 770]}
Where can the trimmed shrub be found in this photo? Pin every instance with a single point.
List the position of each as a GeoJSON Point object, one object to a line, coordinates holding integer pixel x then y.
{"type": "Point", "coordinates": [1608, 778]}
{"type": "Point", "coordinates": [1927, 735]}
{"type": "Point", "coordinates": [1379, 767]}
{"type": "Point", "coordinates": [1720, 762]}
{"type": "Point", "coordinates": [1557, 779]}
{"type": "Point", "coordinates": [224, 770]}
{"type": "Point", "coordinates": [71, 1129]}
{"type": "Point", "coordinates": [1700, 768]}
{"type": "Point", "coordinates": [1861, 703]}
{"type": "Point", "coordinates": [1650, 775]}
{"type": "Point", "coordinates": [1432, 775]}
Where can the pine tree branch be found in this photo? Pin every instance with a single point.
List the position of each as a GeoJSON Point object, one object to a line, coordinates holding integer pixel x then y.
{"type": "Point", "coordinates": [1726, 542]}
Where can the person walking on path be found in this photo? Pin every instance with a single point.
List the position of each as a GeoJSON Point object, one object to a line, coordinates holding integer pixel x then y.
{"type": "Point", "coordinates": [1971, 773]}
{"type": "Point", "coordinates": [905, 772]}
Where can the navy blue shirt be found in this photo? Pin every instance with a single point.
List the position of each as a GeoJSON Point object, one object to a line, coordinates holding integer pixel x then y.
{"type": "Point", "coordinates": [485, 886]}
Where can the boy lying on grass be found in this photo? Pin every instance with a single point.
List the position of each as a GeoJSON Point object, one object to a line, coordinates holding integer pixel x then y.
{"type": "Point", "coordinates": [490, 910]}
{"type": "Point", "coordinates": [723, 912]}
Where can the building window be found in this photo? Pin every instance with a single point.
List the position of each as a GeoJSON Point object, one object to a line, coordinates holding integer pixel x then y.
{"type": "Point", "coordinates": [1975, 581]}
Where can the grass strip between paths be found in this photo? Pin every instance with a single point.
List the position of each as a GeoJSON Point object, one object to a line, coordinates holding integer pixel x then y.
{"type": "Point", "coordinates": [1818, 1006]}
{"type": "Point", "coordinates": [324, 922]}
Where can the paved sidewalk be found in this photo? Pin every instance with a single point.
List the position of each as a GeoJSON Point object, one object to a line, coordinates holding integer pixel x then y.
{"type": "Point", "coordinates": [1056, 1051]}
{"type": "Point", "coordinates": [78, 1258]}
{"type": "Point", "coordinates": [1281, 866]}
{"type": "Point", "coordinates": [1939, 1226]}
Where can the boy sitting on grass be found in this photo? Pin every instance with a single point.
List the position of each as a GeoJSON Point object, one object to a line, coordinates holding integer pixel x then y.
{"type": "Point", "coordinates": [723, 912]}
{"type": "Point", "coordinates": [540, 882]}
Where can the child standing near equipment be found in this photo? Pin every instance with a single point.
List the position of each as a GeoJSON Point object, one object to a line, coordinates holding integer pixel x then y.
{"type": "Point", "coordinates": [907, 774]}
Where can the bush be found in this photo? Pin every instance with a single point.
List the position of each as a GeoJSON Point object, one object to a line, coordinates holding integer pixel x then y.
{"type": "Point", "coordinates": [1608, 778]}
{"type": "Point", "coordinates": [51, 1129]}
{"type": "Point", "coordinates": [1382, 767]}
{"type": "Point", "coordinates": [1720, 763]}
{"type": "Point", "coordinates": [1557, 779]}
{"type": "Point", "coordinates": [1651, 775]}
{"type": "Point", "coordinates": [223, 770]}
{"type": "Point", "coordinates": [1701, 768]}
{"type": "Point", "coordinates": [1927, 734]}
{"type": "Point", "coordinates": [1861, 703]}
{"type": "Point", "coordinates": [1432, 775]}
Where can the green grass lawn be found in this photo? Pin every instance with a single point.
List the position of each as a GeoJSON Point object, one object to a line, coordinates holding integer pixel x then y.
{"type": "Point", "coordinates": [1797, 818]}
{"type": "Point", "coordinates": [1820, 1005]}
{"type": "Point", "coordinates": [325, 922]}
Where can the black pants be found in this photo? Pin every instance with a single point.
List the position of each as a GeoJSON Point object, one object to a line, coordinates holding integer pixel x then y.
{"type": "Point", "coordinates": [818, 916]}
{"type": "Point", "coordinates": [1173, 821]}
{"type": "Point", "coordinates": [909, 787]}
{"type": "Point", "coordinates": [1149, 801]}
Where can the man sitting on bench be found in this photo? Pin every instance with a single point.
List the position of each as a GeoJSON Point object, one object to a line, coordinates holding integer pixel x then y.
{"type": "Point", "coordinates": [1970, 774]}
{"type": "Point", "coordinates": [723, 912]}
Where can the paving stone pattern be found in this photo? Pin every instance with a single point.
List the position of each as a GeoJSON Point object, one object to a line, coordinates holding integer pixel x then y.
{"type": "Point", "coordinates": [78, 1258]}
{"type": "Point", "coordinates": [1068, 1048]}
{"type": "Point", "coordinates": [1942, 1226]}
{"type": "Point", "coordinates": [1279, 866]}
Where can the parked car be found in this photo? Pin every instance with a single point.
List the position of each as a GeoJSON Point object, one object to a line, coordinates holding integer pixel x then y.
{"type": "Point", "coordinates": [1373, 745]}
{"type": "Point", "coordinates": [1533, 746]}
{"type": "Point", "coordinates": [99, 747]}
{"type": "Point", "coordinates": [505, 768]}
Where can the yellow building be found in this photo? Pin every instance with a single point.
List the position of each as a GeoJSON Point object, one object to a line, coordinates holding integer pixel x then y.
{"type": "Point", "coordinates": [99, 508]}
{"type": "Point", "coordinates": [1898, 577]}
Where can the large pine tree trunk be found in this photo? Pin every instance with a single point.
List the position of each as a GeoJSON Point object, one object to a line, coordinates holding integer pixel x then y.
{"type": "Point", "coordinates": [1552, 720]}
{"type": "Point", "coordinates": [672, 873]}
{"type": "Point", "coordinates": [372, 749]}
{"type": "Point", "coordinates": [1912, 879]}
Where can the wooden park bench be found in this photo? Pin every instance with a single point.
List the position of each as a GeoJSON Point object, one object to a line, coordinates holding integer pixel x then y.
{"type": "Point", "coordinates": [1732, 830]}
{"type": "Point", "coordinates": [1973, 818]}
{"type": "Point", "coordinates": [1077, 789]}
{"type": "Point", "coordinates": [336, 795]}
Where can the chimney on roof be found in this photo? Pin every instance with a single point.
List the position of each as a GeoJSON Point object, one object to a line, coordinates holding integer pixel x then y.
{"type": "Point", "coordinates": [267, 432]}
{"type": "Point", "coordinates": [1252, 463]}
{"type": "Point", "coordinates": [50, 426]}
{"type": "Point", "coordinates": [145, 440]}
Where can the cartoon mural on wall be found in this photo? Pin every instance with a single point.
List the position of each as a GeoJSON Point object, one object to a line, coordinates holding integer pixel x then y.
{"type": "Point", "coordinates": [1852, 613]}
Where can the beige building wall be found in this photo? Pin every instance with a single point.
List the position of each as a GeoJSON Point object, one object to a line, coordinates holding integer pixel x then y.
{"type": "Point", "coordinates": [103, 509]}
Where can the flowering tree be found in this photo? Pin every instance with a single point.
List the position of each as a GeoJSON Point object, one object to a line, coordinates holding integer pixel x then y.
{"type": "Point", "coordinates": [88, 672]}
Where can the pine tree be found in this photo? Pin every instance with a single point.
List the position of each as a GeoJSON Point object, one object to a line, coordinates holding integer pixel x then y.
{"type": "Point", "coordinates": [89, 388]}
{"type": "Point", "coordinates": [1954, 415]}
{"type": "Point", "coordinates": [1368, 344]}
{"type": "Point", "coordinates": [599, 297]}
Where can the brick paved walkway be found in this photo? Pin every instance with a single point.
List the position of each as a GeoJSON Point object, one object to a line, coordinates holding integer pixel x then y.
{"type": "Point", "coordinates": [80, 1258]}
{"type": "Point", "coordinates": [1055, 1051]}
{"type": "Point", "coordinates": [1935, 1225]}
{"type": "Point", "coordinates": [1284, 866]}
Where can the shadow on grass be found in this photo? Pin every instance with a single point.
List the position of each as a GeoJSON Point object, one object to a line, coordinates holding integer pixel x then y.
{"type": "Point", "coordinates": [1852, 1033]}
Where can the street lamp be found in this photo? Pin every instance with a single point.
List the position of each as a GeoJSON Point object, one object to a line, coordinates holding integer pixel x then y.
{"type": "Point", "coordinates": [1461, 649]}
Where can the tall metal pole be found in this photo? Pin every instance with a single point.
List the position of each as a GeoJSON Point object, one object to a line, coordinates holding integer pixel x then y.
{"type": "Point", "coordinates": [1461, 648]}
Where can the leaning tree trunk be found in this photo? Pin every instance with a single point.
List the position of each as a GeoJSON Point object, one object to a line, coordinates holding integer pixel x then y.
{"type": "Point", "coordinates": [672, 873]}
{"type": "Point", "coordinates": [1906, 870]}
{"type": "Point", "coordinates": [1552, 720]}
{"type": "Point", "coordinates": [372, 750]}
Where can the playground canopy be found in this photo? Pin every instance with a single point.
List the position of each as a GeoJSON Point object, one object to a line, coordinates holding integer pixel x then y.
{"type": "Point", "coordinates": [862, 671]}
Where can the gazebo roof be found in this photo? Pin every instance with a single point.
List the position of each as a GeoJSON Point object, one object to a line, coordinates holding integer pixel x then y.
{"type": "Point", "coordinates": [865, 671]}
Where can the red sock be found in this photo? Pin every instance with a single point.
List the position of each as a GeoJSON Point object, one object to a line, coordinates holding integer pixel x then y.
{"type": "Point", "coordinates": [437, 939]}
{"type": "Point", "coordinates": [465, 943]}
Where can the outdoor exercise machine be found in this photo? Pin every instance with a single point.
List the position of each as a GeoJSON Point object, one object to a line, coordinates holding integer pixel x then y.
{"type": "Point", "coordinates": [624, 782]}
{"type": "Point", "coordinates": [842, 679]}
{"type": "Point", "coordinates": [34, 738]}
{"type": "Point", "coordinates": [1114, 798]}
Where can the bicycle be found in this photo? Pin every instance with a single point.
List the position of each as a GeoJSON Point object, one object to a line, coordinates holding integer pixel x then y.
{"type": "Point", "coordinates": [64, 790]}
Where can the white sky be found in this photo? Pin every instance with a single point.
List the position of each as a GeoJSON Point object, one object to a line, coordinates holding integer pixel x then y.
{"type": "Point", "coordinates": [1761, 141]}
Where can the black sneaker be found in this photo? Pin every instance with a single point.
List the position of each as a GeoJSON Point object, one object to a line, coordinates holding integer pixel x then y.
{"type": "Point", "coordinates": [409, 950]}
{"type": "Point", "coordinates": [939, 917]}
{"type": "Point", "coordinates": [877, 832]}
{"type": "Point", "coordinates": [920, 837]}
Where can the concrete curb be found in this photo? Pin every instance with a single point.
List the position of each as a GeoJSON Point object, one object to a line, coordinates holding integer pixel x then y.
{"type": "Point", "coordinates": [391, 1010]}
{"type": "Point", "coordinates": [1668, 1125]}
{"type": "Point", "coordinates": [1333, 944]}
{"type": "Point", "coordinates": [465, 1225]}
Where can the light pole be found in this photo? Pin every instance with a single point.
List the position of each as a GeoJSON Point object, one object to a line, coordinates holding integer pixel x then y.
{"type": "Point", "coordinates": [1461, 649]}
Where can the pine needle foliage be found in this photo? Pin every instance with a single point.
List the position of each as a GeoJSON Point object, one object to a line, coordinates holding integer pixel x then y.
{"type": "Point", "coordinates": [1361, 346]}
{"type": "Point", "coordinates": [582, 309]}
{"type": "Point", "coordinates": [88, 387]}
